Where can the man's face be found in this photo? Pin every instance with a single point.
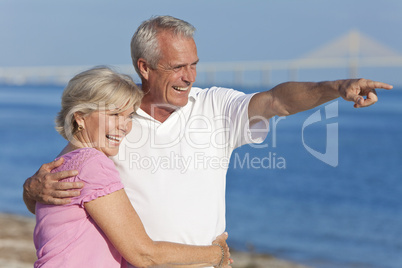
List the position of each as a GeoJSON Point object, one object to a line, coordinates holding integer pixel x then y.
{"type": "Point", "coordinates": [170, 83]}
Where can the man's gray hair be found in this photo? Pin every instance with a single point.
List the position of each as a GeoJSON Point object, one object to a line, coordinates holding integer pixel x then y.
{"type": "Point", "coordinates": [144, 43]}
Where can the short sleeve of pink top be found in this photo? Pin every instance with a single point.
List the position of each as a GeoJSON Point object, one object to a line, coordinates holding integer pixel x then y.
{"type": "Point", "coordinates": [66, 236]}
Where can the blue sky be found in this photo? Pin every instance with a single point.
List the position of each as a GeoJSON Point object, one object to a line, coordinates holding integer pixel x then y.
{"type": "Point", "coordinates": [93, 32]}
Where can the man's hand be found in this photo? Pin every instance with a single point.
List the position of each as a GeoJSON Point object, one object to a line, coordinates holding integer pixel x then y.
{"type": "Point", "coordinates": [45, 187]}
{"type": "Point", "coordinates": [356, 89]}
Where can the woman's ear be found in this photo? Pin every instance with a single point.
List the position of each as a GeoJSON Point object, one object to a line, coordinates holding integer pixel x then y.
{"type": "Point", "coordinates": [143, 67]}
{"type": "Point", "coordinates": [79, 118]}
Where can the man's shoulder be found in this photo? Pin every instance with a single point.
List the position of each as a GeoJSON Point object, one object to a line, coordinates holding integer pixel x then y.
{"type": "Point", "coordinates": [197, 92]}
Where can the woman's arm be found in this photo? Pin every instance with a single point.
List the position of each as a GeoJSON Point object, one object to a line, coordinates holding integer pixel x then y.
{"type": "Point", "coordinates": [117, 218]}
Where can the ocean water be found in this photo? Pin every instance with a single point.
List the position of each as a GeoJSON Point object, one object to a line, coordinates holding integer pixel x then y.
{"type": "Point", "coordinates": [282, 197]}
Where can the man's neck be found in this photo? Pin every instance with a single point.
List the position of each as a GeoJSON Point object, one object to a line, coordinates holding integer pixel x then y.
{"type": "Point", "coordinates": [158, 113]}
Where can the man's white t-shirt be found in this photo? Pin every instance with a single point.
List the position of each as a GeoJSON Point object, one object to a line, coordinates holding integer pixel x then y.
{"type": "Point", "coordinates": [175, 172]}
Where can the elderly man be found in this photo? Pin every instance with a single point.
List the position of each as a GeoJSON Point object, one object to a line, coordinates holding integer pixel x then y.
{"type": "Point", "coordinates": [173, 163]}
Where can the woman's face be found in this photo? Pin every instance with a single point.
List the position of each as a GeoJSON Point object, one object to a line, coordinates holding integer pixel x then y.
{"type": "Point", "coordinates": [104, 130]}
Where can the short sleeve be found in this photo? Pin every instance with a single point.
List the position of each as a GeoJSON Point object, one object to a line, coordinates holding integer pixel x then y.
{"type": "Point", "coordinates": [234, 105]}
{"type": "Point", "coordinates": [245, 134]}
{"type": "Point", "coordinates": [100, 177]}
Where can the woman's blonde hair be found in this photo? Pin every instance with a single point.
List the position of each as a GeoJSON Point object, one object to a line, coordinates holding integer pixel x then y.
{"type": "Point", "coordinates": [95, 89]}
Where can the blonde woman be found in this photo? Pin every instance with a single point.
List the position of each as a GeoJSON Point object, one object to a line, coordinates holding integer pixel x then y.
{"type": "Point", "coordinates": [100, 228]}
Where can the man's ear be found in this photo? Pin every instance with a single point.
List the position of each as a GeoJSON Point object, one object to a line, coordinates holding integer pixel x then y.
{"type": "Point", "coordinates": [143, 67]}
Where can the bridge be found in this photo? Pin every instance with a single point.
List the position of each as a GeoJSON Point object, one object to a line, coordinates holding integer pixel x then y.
{"type": "Point", "coordinates": [351, 51]}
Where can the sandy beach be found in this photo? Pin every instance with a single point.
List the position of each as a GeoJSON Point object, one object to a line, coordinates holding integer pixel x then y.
{"type": "Point", "coordinates": [17, 249]}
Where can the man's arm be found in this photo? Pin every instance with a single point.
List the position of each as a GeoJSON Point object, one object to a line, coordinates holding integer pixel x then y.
{"type": "Point", "coordinates": [293, 97]}
{"type": "Point", "coordinates": [44, 187]}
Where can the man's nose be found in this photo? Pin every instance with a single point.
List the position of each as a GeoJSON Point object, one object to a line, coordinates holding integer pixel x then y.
{"type": "Point", "coordinates": [189, 75]}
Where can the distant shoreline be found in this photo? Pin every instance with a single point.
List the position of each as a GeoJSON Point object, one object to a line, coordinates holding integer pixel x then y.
{"type": "Point", "coordinates": [17, 249]}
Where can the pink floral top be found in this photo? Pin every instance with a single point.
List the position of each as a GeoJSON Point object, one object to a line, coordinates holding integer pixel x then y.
{"type": "Point", "coordinates": [66, 236]}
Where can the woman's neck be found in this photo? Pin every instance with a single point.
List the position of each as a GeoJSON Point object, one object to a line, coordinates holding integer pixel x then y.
{"type": "Point", "coordinates": [69, 148]}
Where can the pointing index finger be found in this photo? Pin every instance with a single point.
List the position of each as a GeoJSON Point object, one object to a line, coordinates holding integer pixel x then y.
{"type": "Point", "coordinates": [376, 84]}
